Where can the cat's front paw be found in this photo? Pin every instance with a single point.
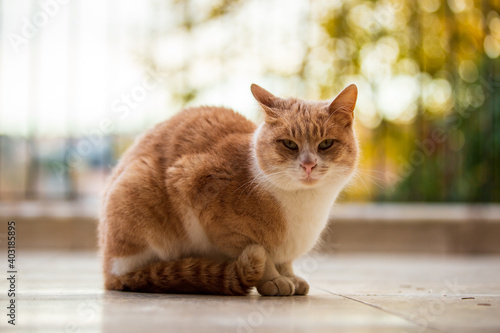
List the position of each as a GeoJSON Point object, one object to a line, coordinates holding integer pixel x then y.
{"type": "Point", "coordinates": [301, 285]}
{"type": "Point", "coordinates": [280, 286]}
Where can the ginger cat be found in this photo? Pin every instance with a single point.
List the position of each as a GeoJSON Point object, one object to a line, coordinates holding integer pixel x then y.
{"type": "Point", "coordinates": [208, 202]}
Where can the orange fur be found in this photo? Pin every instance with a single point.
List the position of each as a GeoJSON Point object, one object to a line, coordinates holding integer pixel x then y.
{"type": "Point", "coordinates": [199, 204]}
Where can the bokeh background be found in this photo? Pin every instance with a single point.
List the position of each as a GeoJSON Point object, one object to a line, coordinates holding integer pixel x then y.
{"type": "Point", "coordinates": [79, 80]}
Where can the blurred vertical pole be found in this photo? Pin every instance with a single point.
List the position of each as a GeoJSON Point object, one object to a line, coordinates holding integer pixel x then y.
{"type": "Point", "coordinates": [186, 92]}
{"type": "Point", "coordinates": [112, 9]}
{"type": "Point", "coordinates": [494, 103]}
{"type": "Point", "coordinates": [221, 56]}
{"type": "Point", "coordinates": [490, 118]}
{"type": "Point", "coordinates": [70, 192]}
{"type": "Point", "coordinates": [420, 181]}
{"type": "Point", "coordinates": [414, 189]}
{"type": "Point", "coordinates": [306, 46]}
{"type": "Point", "coordinates": [144, 31]}
{"type": "Point", "coordinates": [32, 144]}
{"type": "Point", "coordinates": [485, 142]}
{"type": "Point", "coordinates": [384, 127]}
{"type": "Point", "coordinates": [104, 164]}
{"type": "Point", "coordinates": [449, 160]}
{"type": "Point", "coordinates": [495, 109]}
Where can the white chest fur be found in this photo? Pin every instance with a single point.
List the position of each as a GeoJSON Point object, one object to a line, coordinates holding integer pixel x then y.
{"type": "Point", "coordinates": [307, 214]}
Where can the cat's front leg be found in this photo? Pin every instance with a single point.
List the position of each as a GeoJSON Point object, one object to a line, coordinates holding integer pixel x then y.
{"type": "Point", "coordinates": [273, 284]}
{"type": "Point", "coordinates": [301, 285]}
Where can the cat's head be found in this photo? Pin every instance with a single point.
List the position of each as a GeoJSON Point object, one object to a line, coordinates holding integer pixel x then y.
{"type": "Point", "coordinates": [305, 144]}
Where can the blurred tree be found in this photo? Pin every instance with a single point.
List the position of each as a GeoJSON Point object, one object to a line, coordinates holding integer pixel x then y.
{"type": "Point", "coordinates": [442, 145]}
{"type": "Point", "coordinates": [428, 76]}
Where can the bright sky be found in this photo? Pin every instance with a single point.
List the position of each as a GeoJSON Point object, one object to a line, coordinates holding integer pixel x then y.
{"type": "Point", "coordinates": [66, 74]}
{"type": "Point", "coordinates": [66, 68]}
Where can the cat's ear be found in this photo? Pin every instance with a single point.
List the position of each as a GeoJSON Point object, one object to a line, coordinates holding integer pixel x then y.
{"type": "Point", "coordinates": [267, 101]}
{"type": "Point", "coordinates": [342, 107]}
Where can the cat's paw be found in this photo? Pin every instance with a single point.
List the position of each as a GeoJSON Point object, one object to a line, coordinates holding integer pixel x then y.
{"type": "Point", "coordinates": [252, 262]}
{"type": "Point", "coordinates": [301, 285]}
{"type": "Point", "coordinates": [280, 286]}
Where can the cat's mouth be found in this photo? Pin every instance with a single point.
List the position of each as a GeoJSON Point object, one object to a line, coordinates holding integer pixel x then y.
{"type": "Point", "coordinates": [308, 180]}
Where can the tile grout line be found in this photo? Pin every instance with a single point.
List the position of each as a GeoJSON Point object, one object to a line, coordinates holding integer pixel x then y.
{"type": "Point", "coordinates": [397, 314]}
{"type": "Point", "coordinates": [417, 295]}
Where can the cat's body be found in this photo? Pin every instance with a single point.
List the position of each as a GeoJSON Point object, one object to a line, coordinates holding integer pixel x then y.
{"type": "Point", "coordinates": [206, 202]}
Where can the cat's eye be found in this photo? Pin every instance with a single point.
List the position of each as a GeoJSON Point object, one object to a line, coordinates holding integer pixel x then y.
{"type": "Point", "coordinates": [325, 144]}
{"type": "Point", "coordinates": [290, 144]}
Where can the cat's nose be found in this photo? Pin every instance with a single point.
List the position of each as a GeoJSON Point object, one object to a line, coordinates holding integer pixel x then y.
{"type": "Point", "coordinates": [308, 167]}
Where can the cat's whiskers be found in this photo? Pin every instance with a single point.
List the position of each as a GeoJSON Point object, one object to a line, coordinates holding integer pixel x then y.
{"type": "Point", "coordinates": [245, 183]}
{"type": "Point", "coordinates": [364, 184]}
{"type": "Point", "coordinates": [360, 175]}
{"type": "Point", "coordinates": [339, 174]}
{"type": "Point", "coordinates": [367, 173]}
{"type": "Point", "coordinates": [266, 186]}
{"type": "Point", "coordinates": [248, 184]}
{"type": "Point", "coordinates": [257, 184]}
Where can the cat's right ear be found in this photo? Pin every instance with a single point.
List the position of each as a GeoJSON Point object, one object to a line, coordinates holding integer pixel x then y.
{"type": "Point", "coordinates": [343, 105]}
{"type": "Point", "coordinates": [267, 101]}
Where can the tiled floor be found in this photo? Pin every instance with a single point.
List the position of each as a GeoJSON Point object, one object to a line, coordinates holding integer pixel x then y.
{"type": "Point", "coordinates": [61, 292]}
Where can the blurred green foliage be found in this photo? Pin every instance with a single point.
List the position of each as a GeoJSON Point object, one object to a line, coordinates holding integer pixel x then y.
{"type": "Point", "coordinates": [429, 77]}
{"type": "Point", "coordinates": [449, 150]}
{"type": "Point", "coordinates": [428, 74]}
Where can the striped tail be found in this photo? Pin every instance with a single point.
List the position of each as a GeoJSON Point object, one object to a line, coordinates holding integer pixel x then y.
{"type": "Point", "coordinates": [199, 275]}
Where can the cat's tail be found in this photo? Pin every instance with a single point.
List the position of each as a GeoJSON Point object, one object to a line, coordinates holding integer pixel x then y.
{"type": "Point", "coordinates": [198, 275]}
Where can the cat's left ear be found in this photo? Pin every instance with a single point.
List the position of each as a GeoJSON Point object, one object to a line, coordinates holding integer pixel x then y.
{"type": "Point", "coordinates": [342, 107]}
{"type": "Point", "coordinates": [268, 102]}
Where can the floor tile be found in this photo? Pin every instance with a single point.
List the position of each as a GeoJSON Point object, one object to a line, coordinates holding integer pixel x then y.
{"type": "Point", "coordinates": [62, 292]}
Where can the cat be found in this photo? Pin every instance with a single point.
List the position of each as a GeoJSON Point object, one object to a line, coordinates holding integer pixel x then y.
{"type": "Point", "coordinates": [210, 203]}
